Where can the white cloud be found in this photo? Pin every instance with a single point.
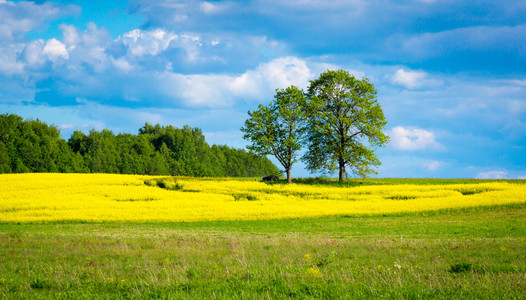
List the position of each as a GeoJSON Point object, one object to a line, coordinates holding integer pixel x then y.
{"type": "Point", "coordinates": [142, 42]}
{"type": "Point", "coordinates": [409, 79]}
{"type": "Point", "coordinates": [17, 18]}
{"type": "Point", "coordinates": [492, 175]}
{"type": "Point", "coordinates": [153, 42]}
{"type": "Point", "coordinates": [522, 177]}
{"type": "Point", "coordinates": [279, 73]}
{"type": "Point", "coordinates": [433, 165]}
{"type": "Point", "coordinates": [216, 90]}
{"type": "Point", "coordinates": [196, 90]}
{"type": "Point", "coordinates": [33, 53]}
{"type": "Point", "coordinates": [87, 47]}
{"type": "Point", "coordinates": [412, 139]}
{"type": "Point", "coordinates": [122, 64]}
{"type": "Point", "coordinates": [9, 64]}
{"type": "Point", "coordinates": [70, 35]}
{"type": "Point", "coordinates": [55, 50]}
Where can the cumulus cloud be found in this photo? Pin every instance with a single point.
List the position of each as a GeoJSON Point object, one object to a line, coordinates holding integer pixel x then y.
{"type": "Point", "coordinates": [122, 64]}
{"type": "Point", "coordinates": [18, 18]}
{"type": "Point", "coordinates": [412, 139]}
{"type": "Point", "coordinates": [492, 175]}
{"type": "Point", "coordinates": [279, 73]}
{"type": "Point", "coordinates": [9, 64]}
{"type": "Point", "coordinates": [215, 90]}
{"type": "Point", "coordinates": [55, 50]}
{"type": "Point", "coordinates": [32, 53]}
{"type": "Point", "coordinates": [141, 42]}
{"type": "Point", "coordinates": [70, 35]}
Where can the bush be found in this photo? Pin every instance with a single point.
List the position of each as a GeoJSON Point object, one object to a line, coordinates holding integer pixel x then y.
{"type": "Point", "coordinates": [460, 267]}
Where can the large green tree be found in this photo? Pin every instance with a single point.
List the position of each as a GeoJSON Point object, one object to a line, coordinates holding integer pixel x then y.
{"type": "Point", "coordinates": [345, 125]}
{"type": "Point", "coordinates": [276, 129]}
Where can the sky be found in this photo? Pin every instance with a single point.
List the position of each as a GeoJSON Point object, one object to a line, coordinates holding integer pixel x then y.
{"type": "Point", "coordinates": [450, 74]}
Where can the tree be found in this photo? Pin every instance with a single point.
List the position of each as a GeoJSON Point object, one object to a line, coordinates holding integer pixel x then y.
{"type": "Point", "coordinates": [343, 114]}
{"type": "Point", "coordinates": [277, 129]}
{"type": "Point", "coordinates": [5, 161]}
{"type": "Point", "coordinates": [33, 146]}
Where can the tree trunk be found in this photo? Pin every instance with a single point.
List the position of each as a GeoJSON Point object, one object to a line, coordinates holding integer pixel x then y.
{"type": "Point", "coordinates": [289, 177]}
{"type": "Point", "coordinates": [342, 172]}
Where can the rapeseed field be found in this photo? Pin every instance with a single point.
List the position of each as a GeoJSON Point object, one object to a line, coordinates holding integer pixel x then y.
{"type": "Point", "coordinates": [137, 198]}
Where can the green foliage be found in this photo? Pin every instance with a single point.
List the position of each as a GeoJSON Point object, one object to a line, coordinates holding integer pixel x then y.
{"type": "Point", "coordinates": [33, 146]}
{"type": "Point", "coordinates": [460, 267]}
{"type": "Point", "coordinates": [277, 129]}
{"type": "Point", "coordinates": [340, 121]}
{"type": "Point", "coordinates": [345, 123]}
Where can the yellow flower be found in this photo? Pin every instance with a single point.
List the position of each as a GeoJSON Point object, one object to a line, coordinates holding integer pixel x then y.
{"type": "Point", "coordinates": [33, 197]}
{"type": "Point", "coordinates": [307, 256]}
{"type": "Point", "coordinates": [313, 273]}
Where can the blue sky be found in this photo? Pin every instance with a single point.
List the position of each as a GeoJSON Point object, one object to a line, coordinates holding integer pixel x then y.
{"type": "Point", "coordinates": [451, 75]}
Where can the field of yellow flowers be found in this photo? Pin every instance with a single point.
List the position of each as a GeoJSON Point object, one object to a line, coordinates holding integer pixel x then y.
{"type": "Point", "coordinates": [107, 197]}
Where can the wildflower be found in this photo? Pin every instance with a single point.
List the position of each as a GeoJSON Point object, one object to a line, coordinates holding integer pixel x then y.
{"type": "Point", "coordinates": [313, 273]}
{"type": "Point", "coordinates": [397, 265]}
{"type": "Point", "coordinates": [307, 257]}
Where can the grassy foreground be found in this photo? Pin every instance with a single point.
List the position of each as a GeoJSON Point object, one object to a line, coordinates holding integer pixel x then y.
{"type": "Point", "coordinates": [464, 253]}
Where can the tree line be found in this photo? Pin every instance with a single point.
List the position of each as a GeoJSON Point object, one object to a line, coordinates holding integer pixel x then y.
{"type": "Point", "coordinates": [34, 146]}
{"type": "Point", "coordinates": [338, 120]}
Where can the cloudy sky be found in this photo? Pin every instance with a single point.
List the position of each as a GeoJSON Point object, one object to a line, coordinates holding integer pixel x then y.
{"type": "Point", "coordinates": [450, 74]}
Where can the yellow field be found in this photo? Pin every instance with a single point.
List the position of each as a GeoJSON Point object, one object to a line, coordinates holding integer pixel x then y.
{"type": "Point", "coordinates": [105, 197]}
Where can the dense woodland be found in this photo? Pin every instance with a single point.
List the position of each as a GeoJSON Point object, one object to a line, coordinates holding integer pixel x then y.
{"type": "Point", "coordinates": [34, 146]}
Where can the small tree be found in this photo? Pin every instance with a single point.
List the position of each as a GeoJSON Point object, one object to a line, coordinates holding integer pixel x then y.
{"type": "Point", "coordinates": [342, 114]}
{"type": "Point", "coordinates": [277, 129]}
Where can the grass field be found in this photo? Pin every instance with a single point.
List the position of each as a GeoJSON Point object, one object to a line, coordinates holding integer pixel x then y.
{"type": "Point", "coordinates": [474, 251]}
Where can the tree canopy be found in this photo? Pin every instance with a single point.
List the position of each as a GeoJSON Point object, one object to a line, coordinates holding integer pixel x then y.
{"type": "Point", "coordinates": [33, 146]}
{"type": "Point", "coordinates": [345, 124]}
{"type": "Point", "coordinates": [276, 129]}
{"type": "Point", "coordinates": [339, 120]}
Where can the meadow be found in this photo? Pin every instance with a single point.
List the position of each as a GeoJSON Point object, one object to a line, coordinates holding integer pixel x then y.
{"type": "Point", "coordinates": [96, 236]}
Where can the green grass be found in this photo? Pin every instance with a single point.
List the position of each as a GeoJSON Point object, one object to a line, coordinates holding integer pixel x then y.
{"type": "Point", "coordinates": [468, 253]}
